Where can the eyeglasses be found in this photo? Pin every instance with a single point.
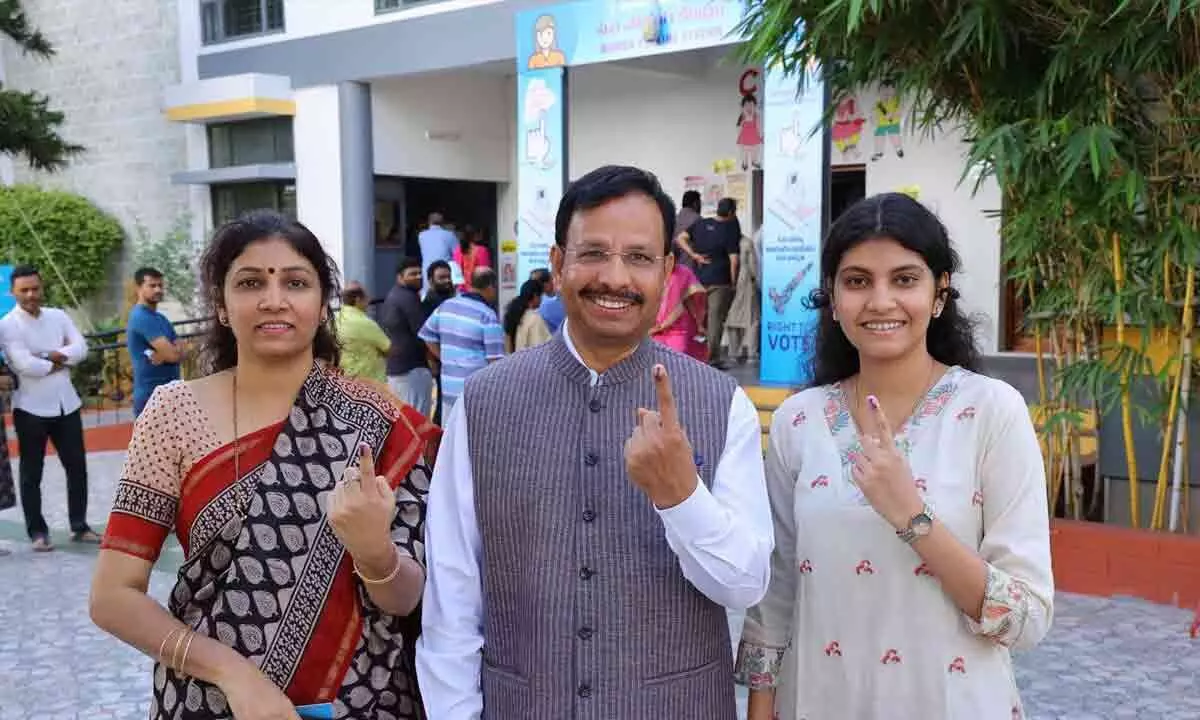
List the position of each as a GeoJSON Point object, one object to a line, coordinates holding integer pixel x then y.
{"type": "Point", "coordinates": [634, 259]}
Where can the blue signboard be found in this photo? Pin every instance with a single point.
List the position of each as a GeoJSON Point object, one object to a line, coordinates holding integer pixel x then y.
{"type": "Point", "coordinates": [597, 31]}
{"type": "Point", "coordinates": [793, 202]}
{"type": "Point", "coordinates": [7, 301]}
{"type": "Point", "coordinates": [540, 164]}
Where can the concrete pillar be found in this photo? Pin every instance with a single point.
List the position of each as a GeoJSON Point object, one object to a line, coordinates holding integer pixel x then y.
{"type": "Point", "coordinates": [335, 173]}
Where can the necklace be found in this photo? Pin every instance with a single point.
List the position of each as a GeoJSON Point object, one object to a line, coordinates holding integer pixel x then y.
{"type": "Point", "coordinates": [916, 403]}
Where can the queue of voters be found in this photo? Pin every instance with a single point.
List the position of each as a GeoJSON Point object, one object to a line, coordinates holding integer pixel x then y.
{"type": "Point", "coordinates": [438, 508]}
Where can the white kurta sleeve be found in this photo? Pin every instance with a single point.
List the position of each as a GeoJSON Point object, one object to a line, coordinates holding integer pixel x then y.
{"type": "Point", "coordinates": [1018, 603]}
{"type": "Point", "coordinates": [768, 628]}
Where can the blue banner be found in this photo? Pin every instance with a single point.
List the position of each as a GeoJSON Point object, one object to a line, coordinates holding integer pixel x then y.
{"type": "Point", "coordinates": [7, 301]}
{"type": "Point", "coordinates": [597, 31]}
{"type": "Point", "coordinates": [793, 200]}
{"type": "Point", "coordinates": [540, 165]}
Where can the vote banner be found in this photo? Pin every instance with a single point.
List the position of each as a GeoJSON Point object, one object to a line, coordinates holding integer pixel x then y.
{"type": "Point", "coordinates": [540, 165]}
{"type": "Point", "coordinates": [595, 31]}
{"type": "Point", "coordinates": [793, 201]}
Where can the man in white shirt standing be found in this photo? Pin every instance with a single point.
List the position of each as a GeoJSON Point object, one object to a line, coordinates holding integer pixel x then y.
{"type": "Point", "coordinates": [41, 345]}
{"type": "Point", "coordinates": [582, 550]}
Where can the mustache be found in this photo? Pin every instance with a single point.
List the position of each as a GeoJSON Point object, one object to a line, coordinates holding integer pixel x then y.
{"type": "Point", "coordinates": [631, 295]}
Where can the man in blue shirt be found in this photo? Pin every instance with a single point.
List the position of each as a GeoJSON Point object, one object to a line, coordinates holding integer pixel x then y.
{"type": "Point", "coordinates": [551, 308]}
{"type": "Point", "coordinates": [153, 348]}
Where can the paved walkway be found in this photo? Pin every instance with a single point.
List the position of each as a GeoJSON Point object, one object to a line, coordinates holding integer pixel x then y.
{"type": "Point", "coordinates": [1103, 659]}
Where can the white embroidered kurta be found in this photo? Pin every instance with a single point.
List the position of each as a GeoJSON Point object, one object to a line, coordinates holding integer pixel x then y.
{"type": "Point", "coordinates": [871, 633]}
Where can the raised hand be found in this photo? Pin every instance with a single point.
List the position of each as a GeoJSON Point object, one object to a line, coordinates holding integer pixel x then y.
{"type": "Point", "coordinates": [883, 474]}
{"type": "Point", "coordinates": [658, 455]}
{"type": "Point", "coordinates": [361, 509]}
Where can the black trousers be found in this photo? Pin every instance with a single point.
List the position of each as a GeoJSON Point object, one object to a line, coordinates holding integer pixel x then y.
{"type": "Point", "coordinates": [67, 433]}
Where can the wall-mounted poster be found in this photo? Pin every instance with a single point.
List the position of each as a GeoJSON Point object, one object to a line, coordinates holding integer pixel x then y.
{"type": "Point", "coordinates": [847, 131]}
{"type": "Point", "coordinates": [540, 146]}
{"type": "Point", "coordinates": [888, 123]}
{"type": "Point", "coordinates": [793, 197]}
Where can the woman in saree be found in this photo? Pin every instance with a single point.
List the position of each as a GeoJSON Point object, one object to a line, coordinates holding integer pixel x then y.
{"type": "Point", "coordinates": [470, 255]}
{"type": "Point", "coordinates": [297, 495]}
{"type": "Point", "coordinates": [682, 313]}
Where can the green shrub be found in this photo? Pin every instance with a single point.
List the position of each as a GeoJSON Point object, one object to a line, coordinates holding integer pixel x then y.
{"type": "Point", "coordinates": [64, 235]}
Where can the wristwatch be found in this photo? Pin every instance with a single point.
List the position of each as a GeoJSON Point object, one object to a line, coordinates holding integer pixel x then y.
{"type": "Point", "coordinates": [918, 527]}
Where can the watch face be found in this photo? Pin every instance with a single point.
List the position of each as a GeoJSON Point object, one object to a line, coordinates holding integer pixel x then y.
{"type": "Point", "coordinates": [922, 524]}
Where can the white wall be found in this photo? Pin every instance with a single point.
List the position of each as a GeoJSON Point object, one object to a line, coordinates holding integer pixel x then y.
{"type": "Point", "coordinates": [319, 166]}
{"type": "Point", "coordinates": [933, 167]}
{"type": "Point", "coordinates": [672, 125]}
{"type": "Point", "coordinates": [454, 125]}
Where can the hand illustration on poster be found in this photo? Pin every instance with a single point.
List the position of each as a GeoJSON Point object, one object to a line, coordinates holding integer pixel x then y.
{"type": "Point", "coordinates": [887, 121]}
{"type": "Point", "coordinates": [781, 298]}
{"type": "Point", "coordinates": [539, 99]}
{"type": "Point", "coordinates": [750, 138]}
{"type": "Point", "coordinates": [846, 132]}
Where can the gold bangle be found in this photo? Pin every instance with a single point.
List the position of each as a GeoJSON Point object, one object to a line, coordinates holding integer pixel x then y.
{"type": "Point", "coordinates": [186, 649]}
{"type": "Point", "coordinates": [390, 576]}
{"type": "Point", "coordinates": [163, 646]}
{"type": "Point", "coordinates": [175, 652]}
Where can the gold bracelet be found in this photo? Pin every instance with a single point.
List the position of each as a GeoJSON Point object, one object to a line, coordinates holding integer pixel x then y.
{"type": "Point", "coordinates": [175, 653]}
{"type": "Point", "coordinates": [391, 576]}
{"type": "Point", "coordinates": [163, 646]}
{"type": "Point", "coordinates": [186, 649]}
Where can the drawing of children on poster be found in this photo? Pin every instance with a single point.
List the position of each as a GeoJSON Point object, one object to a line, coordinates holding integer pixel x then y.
{"type": "Point", "coordinates": [545, 41]}
{"type": "Point", "coordinates": [887, 121]}
{"type": "Point", "coordinates": [750, 138]}
{"type": "Point", "coordinates": [847, 129]}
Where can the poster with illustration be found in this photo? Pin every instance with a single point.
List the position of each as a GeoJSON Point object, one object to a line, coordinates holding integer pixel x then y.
{"type": "Point", "coordinates": [749, 137]}
{"type": "Point", "coordinates": [846, 132]}
{"type": "Point", "coordinates": [793, 197]}
{"type": "Point", "coordinates": [888, 123]}
{"type": "Point", "coordinates": [540, 166]}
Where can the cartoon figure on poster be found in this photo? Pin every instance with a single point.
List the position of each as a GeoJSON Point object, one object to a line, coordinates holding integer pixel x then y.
{"type": "Point", "coordinates": [846, 132]}
{"type": "Point", "coordinates": [750, 138]}
{"type": "Point", "coordinates": [545, 40]}
{"type": "Point", "coordinates": [887, 121]}
{"type": "Point", "coordinates": [539, 98]}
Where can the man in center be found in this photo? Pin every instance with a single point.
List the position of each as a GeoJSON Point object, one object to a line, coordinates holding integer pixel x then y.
{"type": "Point", "coordinates": [597, 502]}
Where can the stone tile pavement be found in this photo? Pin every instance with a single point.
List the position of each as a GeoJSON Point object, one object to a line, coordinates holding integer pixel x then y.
{"type": "Point", "coordinates": [1104, 658]}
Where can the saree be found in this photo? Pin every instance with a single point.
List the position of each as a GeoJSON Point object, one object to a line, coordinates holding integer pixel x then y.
{"type": "Point", "coordinates": [263, 572]}
{"type": "Point", "coordinates": [681, 314]}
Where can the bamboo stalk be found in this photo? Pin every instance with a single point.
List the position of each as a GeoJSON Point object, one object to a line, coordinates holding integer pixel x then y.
{"type": "Point", "coordinates": [1185, 371]}
{"type": "Point", "coordinates": [1164, 464]}
{"type": "Point", "coordinates": [1126, 400]}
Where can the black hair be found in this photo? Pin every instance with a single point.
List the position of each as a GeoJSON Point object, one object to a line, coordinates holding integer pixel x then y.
{"type": "Point", "coordinates": [691, 199]}
{"type": "Point", "coordinates": [22, 271]}
{"type": "Point", "coordinates": [950, 339]}
{"type": "Point", "coordinates": [408, 262]}
{"type": "Point", "coordinates": [467, 237]}
{"type": "Point", "coordinates": [353, 294]}
{"type": "Point", "coordinates": [435, 266]}
{"type": "Point", "coordinates": [609, 183]}
{"type": "Point", "coordinates": [227, 244]}
{"type": "Point", "coordinates": [483, 278]}
{"type": "Point", "coordinates": [518, 306]}
{"type": "Point", "coordinates": [727, 207]}
{"type": "Point", "coordinates": [540, 274]}
{"type": "Point", "coordinates": [140, 275]}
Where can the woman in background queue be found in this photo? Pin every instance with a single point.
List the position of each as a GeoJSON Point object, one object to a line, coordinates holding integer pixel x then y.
{"type": "Point", "coordinates": [523, 324]}
{"type": "Point", "coordinates": [682, 314]}
{"type": "Point", "coordinates": [297, 495]}
{"type": "Point", "coordinates": [912, 545]}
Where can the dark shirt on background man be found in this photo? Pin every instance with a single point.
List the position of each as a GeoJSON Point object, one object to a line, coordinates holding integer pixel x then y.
{"type": "Point", "coordinates": [716, 240]}
{"type": "Point", "coordinates": [401, 315]}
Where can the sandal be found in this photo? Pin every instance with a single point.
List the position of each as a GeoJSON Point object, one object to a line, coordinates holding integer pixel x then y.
{"type": "Point", "coordinates": [42, 543]}
{"type": "Point", "coordinates": [88, 537]}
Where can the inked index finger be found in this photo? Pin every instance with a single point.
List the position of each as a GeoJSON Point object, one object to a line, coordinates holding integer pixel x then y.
{"type": "Point", "coordinates": [666, 398]}
{"type": "Point", "coordinates": [883, 428]}
{"type": "Point", "coordinates": [366, 463]}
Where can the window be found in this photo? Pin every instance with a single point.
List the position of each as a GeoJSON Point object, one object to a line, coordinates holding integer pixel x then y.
{"type": "Point", "coordinates": [389, 5]}
{"type": "Point", "coordinates": [222, 20]}
{"type": "Point", "coordinates": [250, 142]}
{"type": "Point", "coordinates": [230, 201]}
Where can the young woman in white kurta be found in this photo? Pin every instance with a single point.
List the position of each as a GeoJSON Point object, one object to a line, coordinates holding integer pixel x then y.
{"type": "Point", "coordinates": [857, 623]}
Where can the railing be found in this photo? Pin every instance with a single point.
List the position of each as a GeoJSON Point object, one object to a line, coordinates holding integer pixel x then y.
{"type": "Point", "coordinates": [104, 379]}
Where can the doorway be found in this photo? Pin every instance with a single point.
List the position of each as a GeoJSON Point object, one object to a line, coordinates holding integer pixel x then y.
{"type": "Point", "coordinates": [402, 208]}
{"type": "Point", "coordinates": [847, 185]}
